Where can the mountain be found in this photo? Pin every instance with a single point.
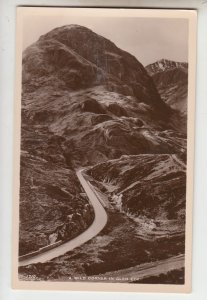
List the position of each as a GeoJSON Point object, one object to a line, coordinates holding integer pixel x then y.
{"type": "Point", "coordinates": [146, 222]}
{"type": "Point", "coordinates": [79, 58]}
{"type": "Point", "coordinates": [97, 97]}
{"type": "Point", "coordinates": [171, 80]}
{"type": "Point", "coordinates": [87, 103]}
{"type": "Point", "coordinates": [165, 65]}
{"type": "Point", "coordinates": [150, 189]}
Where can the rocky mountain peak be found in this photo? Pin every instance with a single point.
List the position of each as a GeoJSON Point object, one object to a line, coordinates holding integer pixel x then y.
{"type": "Point", "coordinates": [171, 80]}
{"type": "Point", "coordinates": [88, 104]}
{"type": "Point", "coordinates": [164, 65]}
{"type": "Point", "coordinates": [75, 57]}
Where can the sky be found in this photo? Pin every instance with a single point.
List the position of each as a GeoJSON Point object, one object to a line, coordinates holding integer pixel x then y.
{"type": "Point", "coordinates": [148, 39]}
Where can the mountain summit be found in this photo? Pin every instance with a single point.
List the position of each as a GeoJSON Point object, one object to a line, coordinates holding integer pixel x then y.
{"type": "Point", "coordinates": [75, 57]}
{"type": "Point", "coordinates": [88, 104]}
{"type": "Point", "coordinates": [171, 80]}
{"type": "Point", "coordinates": [97, 97]}
{"type": "Point", "coordinates": [164, 65]}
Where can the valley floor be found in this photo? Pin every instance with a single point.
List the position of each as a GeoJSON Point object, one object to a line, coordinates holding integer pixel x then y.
{"type": "Point", "coordinates": [115, 251]}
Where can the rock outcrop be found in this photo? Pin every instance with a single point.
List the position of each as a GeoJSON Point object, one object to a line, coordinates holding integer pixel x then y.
{"type": "Point", "coordinates": [171, 80]}
{"type": "Point", "coordinates": [84, 102]}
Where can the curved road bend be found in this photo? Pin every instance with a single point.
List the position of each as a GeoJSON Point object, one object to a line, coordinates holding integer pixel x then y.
{"type": "Point", "coordinates": [97, 225]}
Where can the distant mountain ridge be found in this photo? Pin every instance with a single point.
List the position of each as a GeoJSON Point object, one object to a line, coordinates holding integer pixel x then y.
{"type": "Point", "coordinates": [79, 58]}
{"type": "Point", "coordinates": [164, 65]}
{"type": "Point", "coordinates": [171, 80]}
{"type": "Point", "coordinates": [85, 89]}
{"type": "Point", "coordinates": [84, 102]}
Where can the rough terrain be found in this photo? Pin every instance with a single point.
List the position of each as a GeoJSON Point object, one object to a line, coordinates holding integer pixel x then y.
{"type": "Point", "coordinates": [87, 103]}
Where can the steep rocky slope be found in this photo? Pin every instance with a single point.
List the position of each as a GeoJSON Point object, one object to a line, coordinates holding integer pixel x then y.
{"type": "Point", "coordinates": [99, 98]}
{"type": "Point", "coordinates": [146, 220]}
{"type": "Point", "coordinates": [85, 102]}
{"type": "Point", "coordinates": [53, 206]}
{"type": "Point", "coordinates": [171, 80]}
{"type": "Point", "coordinates": [79, 58]}
{"type": "Point", "coordinates": [148, 188]}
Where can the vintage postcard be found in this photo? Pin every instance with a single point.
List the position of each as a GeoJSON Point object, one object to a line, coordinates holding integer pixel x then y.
{"type": "Point", "coordinates": [104, 147]}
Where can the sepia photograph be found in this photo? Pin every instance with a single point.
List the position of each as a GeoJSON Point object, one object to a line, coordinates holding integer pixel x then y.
{"type": "Point", "coordinates": [104, 149]}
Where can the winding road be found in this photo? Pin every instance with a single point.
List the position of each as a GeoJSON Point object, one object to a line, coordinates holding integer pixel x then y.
{"type": "Point", "coordinates": [100, 220]}
{"type": "Point", "coordinates": [98, 224]}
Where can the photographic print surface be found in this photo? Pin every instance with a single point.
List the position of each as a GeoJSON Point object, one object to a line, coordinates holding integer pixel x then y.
{"type": "Point", "coordinates": [104, 148]}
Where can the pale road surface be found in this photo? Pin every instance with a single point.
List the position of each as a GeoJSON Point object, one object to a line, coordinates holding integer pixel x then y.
{"type": "Point", "coordinates": [126, 275]}
{"type": "Point", "coordinates": [148, 269]}
{"type": "Point", "coordinates": [98, 224]}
